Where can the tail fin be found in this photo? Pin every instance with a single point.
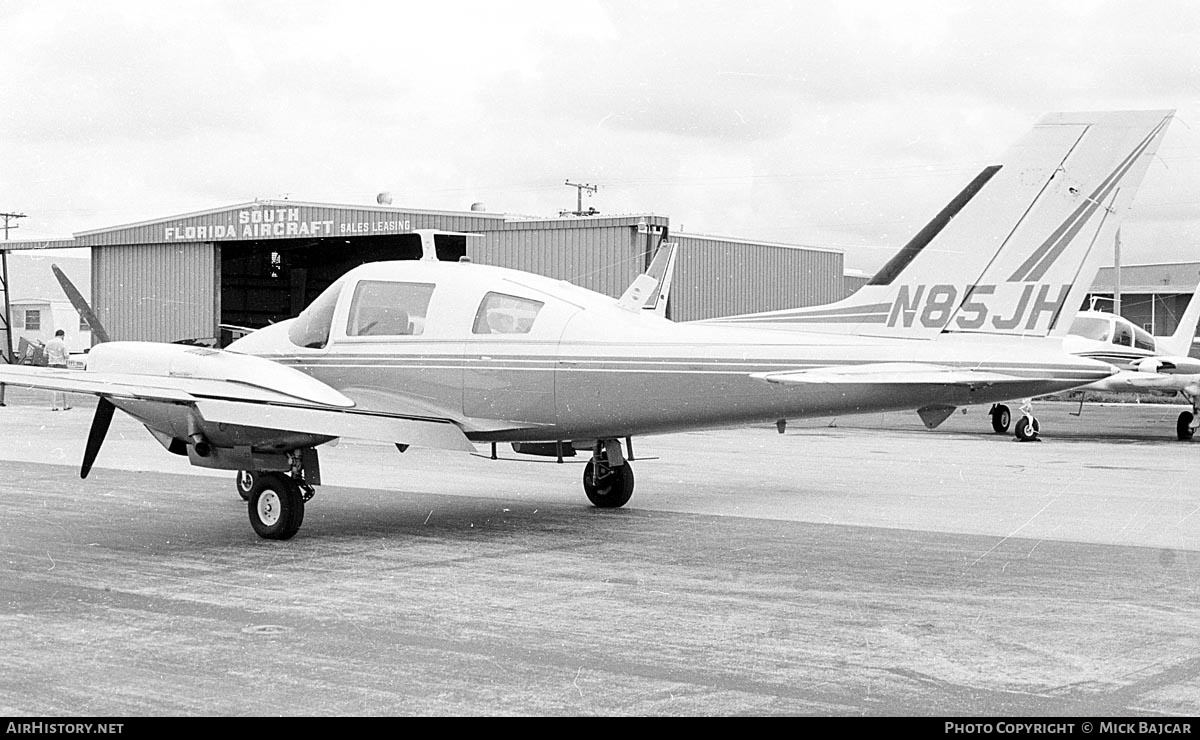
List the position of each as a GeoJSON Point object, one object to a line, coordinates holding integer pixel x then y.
{"type": "Point", "coordinates": [1179, 344]}
{"type": "Point", "coordinates": [1015, 251]}
{"type": "Point", "coordinates": [649, 291]}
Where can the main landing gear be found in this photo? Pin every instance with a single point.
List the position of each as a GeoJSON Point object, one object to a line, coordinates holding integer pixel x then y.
{"type": "Point", "coordinates": [275, 499]}
{"type": "Point", "coordinates": [276, 505]}
{"type": "Point", "coordinates": [608, 476]}
{"type": "Point", "coordinates": [1185, 427]}
{"type": "Point", "coordinates": [1001, 418]}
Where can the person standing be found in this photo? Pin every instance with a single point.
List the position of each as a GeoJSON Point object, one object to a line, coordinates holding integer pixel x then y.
{"type": "Point", "coordinates": [56, 356]}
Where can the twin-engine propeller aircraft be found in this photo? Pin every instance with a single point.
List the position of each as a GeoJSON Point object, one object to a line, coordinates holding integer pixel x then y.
{"type": "Point", "coordinates": [1146, 363]}
{"type": "Point", "coordinates": [448, 355]}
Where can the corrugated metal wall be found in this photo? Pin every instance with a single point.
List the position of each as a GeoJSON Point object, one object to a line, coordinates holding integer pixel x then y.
{"type": "Point", "coordinates": [725, 277]}
{"type": "Point", "coordinates": [156, 292]}
{"type": "Point", "coordinates": [168, 288]}
{"type": "Point", "coordinates": [854, 282]}
{"type": "Point", "coordinates": [603, 255]}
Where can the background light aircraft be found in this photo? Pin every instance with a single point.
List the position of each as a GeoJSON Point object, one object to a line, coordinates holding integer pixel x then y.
{"type": "Point", "coordinates": [1147, 364]}
{"type": "Point", "coordinates": [447, 355]}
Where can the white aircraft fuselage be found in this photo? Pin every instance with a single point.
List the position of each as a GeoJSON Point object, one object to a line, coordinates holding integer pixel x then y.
{"type": "Point", "coordinates": [588, 369]}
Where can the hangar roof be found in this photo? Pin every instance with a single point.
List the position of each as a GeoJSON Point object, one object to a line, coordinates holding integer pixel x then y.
{"type": "Point", "coordinates": [1158, 277]}
{"type": "Point", "coordinates": [286, 219]}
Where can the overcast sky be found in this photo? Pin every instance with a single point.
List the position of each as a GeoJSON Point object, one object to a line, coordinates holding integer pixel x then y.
{"type": "Point", "coordinates": [837, 124]}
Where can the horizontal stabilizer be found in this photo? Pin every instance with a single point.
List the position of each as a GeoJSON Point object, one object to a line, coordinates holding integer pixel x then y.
{"type": "Point", "coordinates": [889, 373]}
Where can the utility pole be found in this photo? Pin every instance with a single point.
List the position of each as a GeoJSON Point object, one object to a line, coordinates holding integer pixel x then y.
{"type": "Point", "coordinates": [579, 188]}
{"type": "Point", "coordinates": [1117, 274]}
{"type": "Point", "coordinates": [8, 219]}
{"type": "Point", "coordinates": [7, 318]}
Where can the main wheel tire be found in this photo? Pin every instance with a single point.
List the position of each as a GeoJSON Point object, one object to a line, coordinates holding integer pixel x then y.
{"type": "Point", "coordinates": [276, 507]}
{"type": "Point", "coordinates": [245, 483]}
{"type": "Point", "coordinates": [1026, 429]}
{"type": "Point", "coordinates": [1183, 427]}
{"type": "Point", "coordinates": [613, 488]}
{"type": "Point", "coordinates": [1001, 418]}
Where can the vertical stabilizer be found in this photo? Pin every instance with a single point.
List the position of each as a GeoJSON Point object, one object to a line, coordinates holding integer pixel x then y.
{"type": "Point", "coordinates": [1179, 344]}
{"type": "Point", "coordinates": [1015, 251]}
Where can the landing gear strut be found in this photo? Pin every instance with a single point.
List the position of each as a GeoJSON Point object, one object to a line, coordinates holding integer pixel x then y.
{"type": "Point", "coordinates": [608, 478]}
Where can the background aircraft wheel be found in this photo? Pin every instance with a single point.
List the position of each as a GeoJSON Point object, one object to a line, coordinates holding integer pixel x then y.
{"type": "Point", "coordinates": [245, 484]}
{"type": "Point", "coordinates": [1027, 429]}
{"type": "Point", "coordinates": [1001, 418]}
{"type": "Point", "coordinates": [612, 490]}
{"type": "Point", "coordinates": [276, 506]}
{"type": "Point", "coordinates": [1183, 427]}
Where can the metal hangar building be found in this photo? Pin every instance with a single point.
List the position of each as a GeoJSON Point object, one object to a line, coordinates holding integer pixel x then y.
{"type": "Point", "coordinates": [249, 265]}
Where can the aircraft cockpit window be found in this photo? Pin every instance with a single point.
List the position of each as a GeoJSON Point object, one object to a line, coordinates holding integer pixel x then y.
{"type": "Point", "coordinates": [505, 314]}
{"type": "Point", "coordinates": [1122, 335]}
{"type": "Point", "coordinates": [311, 328]}
{"type": "Point", "coordinates": [1142, 339]}
{"type": "Point", "coordinates": [1091, 328]}
{"type": "Point", "coordinates": [387, 309]}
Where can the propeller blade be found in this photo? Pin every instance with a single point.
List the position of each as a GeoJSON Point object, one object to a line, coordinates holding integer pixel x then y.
{"type": "Point", "coordinates": [100, 422]}
{"type": "Point", "coordinates": [76, 298]}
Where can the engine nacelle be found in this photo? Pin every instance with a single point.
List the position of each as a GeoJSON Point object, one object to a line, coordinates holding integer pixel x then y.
{"type": "Point", "coordinates": [1168, 365]}
{"type": "Point", "coordinates": [203, 363]}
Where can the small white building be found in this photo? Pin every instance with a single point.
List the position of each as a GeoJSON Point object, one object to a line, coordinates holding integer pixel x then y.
{"type": "Point", "coordinates": [37, 305]}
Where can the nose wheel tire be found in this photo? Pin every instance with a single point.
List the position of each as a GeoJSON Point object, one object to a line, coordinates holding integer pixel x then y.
{"type": "Point", "coordinates": [245, 483]}
{"type": "Point", "coordinates": [1183, 427]}
{"type": "Point", "coordinates": [276, 506]}
{"type": "Point", "coordinates": [1026, 429]}
{"type": "Point", "coordinates": [612, 488]}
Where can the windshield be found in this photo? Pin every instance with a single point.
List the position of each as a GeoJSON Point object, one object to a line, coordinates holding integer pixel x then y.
{"type": "Point", "coordinates": [1090, 327]}
{"type": "Point", "coordinates": [311, 327]}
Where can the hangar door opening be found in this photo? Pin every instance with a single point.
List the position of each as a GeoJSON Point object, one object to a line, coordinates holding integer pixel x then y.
{"type": "Point", "coordinates": [268, 280]}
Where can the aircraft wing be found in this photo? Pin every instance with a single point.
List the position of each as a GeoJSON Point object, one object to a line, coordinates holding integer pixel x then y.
{"type": "Point", "coordinates": [234, 402]}
{"type": "Point", "coordinates": [133, 386]}
{"type": "Point", "coordinates": [422, 432]}
{"type": "Point", "coordinates": [888, 373]}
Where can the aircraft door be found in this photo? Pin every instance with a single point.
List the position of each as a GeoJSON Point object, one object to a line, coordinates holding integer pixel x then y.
{"type": "Point", "coordinates": [509, 359]}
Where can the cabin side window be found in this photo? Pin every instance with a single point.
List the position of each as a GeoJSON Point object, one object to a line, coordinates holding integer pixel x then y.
{"type": "Point", "coordinates": [311, 328]}
{"type": "Point", "coordinates": [1122, 335]}
{"type": "Point", "coordinates": [387, 309]}
{"type": "Point", "coordinates": [505, 314]}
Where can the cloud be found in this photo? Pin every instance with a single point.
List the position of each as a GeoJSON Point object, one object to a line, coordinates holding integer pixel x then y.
{"type": "Point", "coordinates": [845, 123]}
